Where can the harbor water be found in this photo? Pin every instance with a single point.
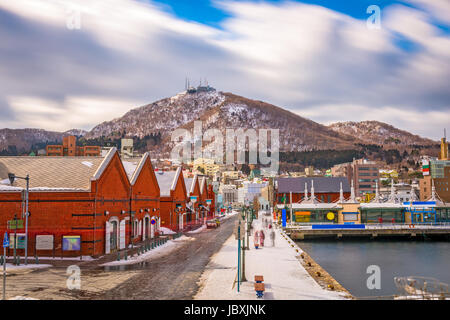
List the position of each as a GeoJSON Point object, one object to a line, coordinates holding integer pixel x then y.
{"type": "Point", "coordinates": [348, 262]}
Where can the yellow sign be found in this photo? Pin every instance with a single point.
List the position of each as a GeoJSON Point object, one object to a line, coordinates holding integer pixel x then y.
{"type": "Point", "coordinates": [330, 216]}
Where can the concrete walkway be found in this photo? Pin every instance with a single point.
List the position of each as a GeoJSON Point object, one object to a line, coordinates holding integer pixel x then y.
{"type": "Point", "coordinates": [284, 276]}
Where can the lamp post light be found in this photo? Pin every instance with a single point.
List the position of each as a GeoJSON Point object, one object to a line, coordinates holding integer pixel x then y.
{"type": "Point", "coordinates": [12, 177]}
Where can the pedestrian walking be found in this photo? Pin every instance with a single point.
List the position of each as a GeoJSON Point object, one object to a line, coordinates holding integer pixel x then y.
{"type": "Point", "coordinates": [272, 237]}
{"type": "Point", "coordinates": [261, 238]}
{"type": "Point", "coordinates": [256, 239]}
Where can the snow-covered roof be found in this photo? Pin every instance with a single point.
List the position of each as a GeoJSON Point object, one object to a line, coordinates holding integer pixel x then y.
{"type": "Point", "coordinates": [190, 184]}
{"type": "Point", "coordinates": [202, 184]}
{"type": "Point", "coordinates": [376, 205]}
{"type": "Point", "coordinates": [310, 206]}
{"type": "Point", "coordinates": [133, 167]}
{"type": "Point", "coordinates": [53, 173]}
{"type": "Point", "coordinates": [167, 180]}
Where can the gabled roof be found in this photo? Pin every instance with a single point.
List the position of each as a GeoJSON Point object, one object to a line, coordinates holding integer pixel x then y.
{"type": "Point", "coordinates": [133, 167]}
{"type": "Point", "coordinates": [321, 184]}
{"type": "Point", "coordinates": [53, 173]}
{"type": "Point", "coordinates": [167, 180]}
{"type": "Point", "coordinates": [190, 184]}
{"type": "Point", "coordinates": [202, 184]}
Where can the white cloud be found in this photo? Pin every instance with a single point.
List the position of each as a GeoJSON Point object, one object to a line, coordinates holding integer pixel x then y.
{"type": "Point", "coordinates": [73, 112]}
{"type": "Point", "coordinates": [304, 57]}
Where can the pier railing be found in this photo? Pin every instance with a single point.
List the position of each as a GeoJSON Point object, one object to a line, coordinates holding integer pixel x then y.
{"type": "Point", "coordinates": [378, 226]}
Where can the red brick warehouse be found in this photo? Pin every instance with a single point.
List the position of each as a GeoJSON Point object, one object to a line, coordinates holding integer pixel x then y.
{"type": "Point", "coordinates": [192, 209]}
{"type": "Point", "coordinates": [71, 197]}
{"type": "Point", "coordinates": [145, 201]}
{"type": "Point", "coordinates": [173, 198]}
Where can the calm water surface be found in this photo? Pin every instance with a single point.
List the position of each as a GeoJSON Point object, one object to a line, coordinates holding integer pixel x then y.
{"type": "Point", "coordinates": [347, 262]}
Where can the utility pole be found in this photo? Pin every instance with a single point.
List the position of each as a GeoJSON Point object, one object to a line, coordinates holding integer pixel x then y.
{"type": "Point", "coordinates": [15, 236]}
{"type": "Point", "coordinates": [239, 255]}
{"type": "Point", "coordinates": [26, 218]}
{"type": "Point", "coordinates": [243, 262]}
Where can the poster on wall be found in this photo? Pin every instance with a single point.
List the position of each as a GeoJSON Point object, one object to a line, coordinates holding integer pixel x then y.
{"type": "Point", "coordinates": [44, 242]}
{"type": "Point", "coordinates": [71, 243]}
{"type": "Point", "coordinates": [20, 242]}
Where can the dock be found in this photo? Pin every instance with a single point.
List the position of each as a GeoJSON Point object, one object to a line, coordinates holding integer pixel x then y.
{"type": "Point", "coordinates": [327, 231]}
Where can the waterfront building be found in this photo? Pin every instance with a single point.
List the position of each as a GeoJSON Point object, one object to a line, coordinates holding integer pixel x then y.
{"type": "Point", "coordinates": [173, 198]}
{"type": "Point", "coordinates": [327, 189]}
{"type": "Point", "coordinates": [78, 205]}
{"type": "Point", "coordinates": [145, 200]}
{"type": "Point", "coordinates": [192, 207]}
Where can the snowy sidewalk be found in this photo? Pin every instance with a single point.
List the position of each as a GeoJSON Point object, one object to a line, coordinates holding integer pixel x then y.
{"type": "Point", "coordinates": [284, 276]}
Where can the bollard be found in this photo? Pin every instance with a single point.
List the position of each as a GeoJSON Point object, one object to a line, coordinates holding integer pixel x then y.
{"type": "Point", "coordinates": [1, 260]}
{"type": "Point", "coordinates": [37, 259]}
{"type": "Point", "coordinates": [118, 256]}
{"type": "Point", "coordinates": [125, 255]}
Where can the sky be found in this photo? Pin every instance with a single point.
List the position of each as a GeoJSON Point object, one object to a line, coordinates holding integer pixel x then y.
{"type": "Point", "coordinates": [76, 63]}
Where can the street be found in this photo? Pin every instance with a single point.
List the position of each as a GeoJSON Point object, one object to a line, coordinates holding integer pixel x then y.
{"type": "Point", "coordinates": [173, 276]}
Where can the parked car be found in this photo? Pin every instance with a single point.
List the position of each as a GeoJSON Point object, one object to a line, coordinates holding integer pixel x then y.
{"type": "Point", "coordinates": [212, 224]}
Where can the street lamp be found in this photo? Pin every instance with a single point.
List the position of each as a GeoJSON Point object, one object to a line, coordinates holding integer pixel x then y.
{"type": "Point", "coordinates": [12, 177]}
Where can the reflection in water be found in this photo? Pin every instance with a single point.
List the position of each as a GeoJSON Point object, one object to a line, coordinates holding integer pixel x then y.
{"type": "Point", "coordinates": [347, 261]}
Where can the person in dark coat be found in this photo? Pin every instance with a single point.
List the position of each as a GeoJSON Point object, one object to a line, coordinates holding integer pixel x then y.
{"type": "Point", "coordinates": [261, 238]}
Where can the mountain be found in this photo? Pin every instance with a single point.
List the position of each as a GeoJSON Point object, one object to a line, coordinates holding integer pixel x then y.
{"type": "Point", "coordinates": [152, 125]}
{"type": "Point", "coordinates": [221, 110]}
{"type": "Point", "coordinates": [375, 132]}
{"type": "Point", "coordinates": [19, 141]}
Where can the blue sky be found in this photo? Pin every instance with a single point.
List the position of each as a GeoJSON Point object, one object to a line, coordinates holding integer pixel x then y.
{"type": "Point", "coordinates": [317, 58]}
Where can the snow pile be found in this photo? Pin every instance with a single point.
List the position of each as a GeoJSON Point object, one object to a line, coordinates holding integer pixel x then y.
{"type": "Point", "coordinates": [164, 249]}
{"type": "Point", "coordinates": [166, 231]}
{"type": "Point", "coordinates": [12, 267]}
{"type": "Point", "coordinates": [22, 298]}
{"type": "Point", "coordinates": [84, 258]}
{"type": "Point", "coordinates": [203, 227]}
{"type": "Point", "coordinates": [87, 164]}
{"type": "Point", "coordinates": [184, 238]}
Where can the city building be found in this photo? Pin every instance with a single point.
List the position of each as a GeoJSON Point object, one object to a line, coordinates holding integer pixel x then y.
{"type": "Point", "coordinates": [126, 148]}
{"type": "Point", "coordinates": [229, 194]}
{"type": "Point", "coordinates": [69, 148]}
{"type": "Point", "coordinates": [364, 174]}
{"type": "Point", "coordinates": [206, 166]}
{"type": "Point", "coordinates": [439, 179]}
{"type": "Point", "coordinates": [443, 155]}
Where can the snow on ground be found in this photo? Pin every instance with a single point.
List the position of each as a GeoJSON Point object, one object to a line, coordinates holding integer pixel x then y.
{"type": "Point", "coordinates": [22, 298]}
{"type": "Point", "coordinates": [164, 249]}
{"type": "Point", "coordinates": [12, 267]}
{"type": "Point", "coordinates": [284, 276]}
{"type": "Point", "coordinates": [203, 227]}
{"type": "Point", "coordinates": [84, 258]}
{"type": "Point", "coordinates": [166, 231]}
